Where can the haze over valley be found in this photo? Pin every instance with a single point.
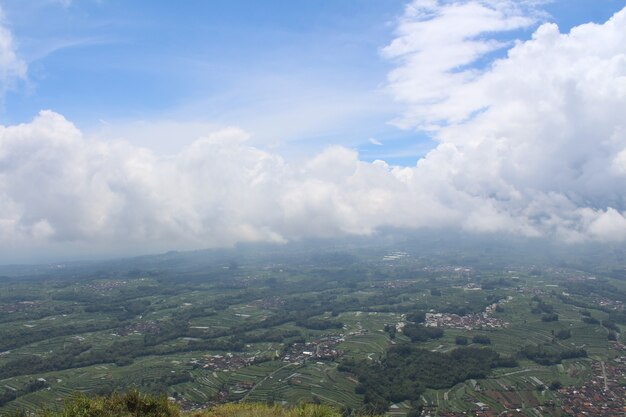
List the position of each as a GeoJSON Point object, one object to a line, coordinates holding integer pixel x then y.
{"type": "Point", "coordinates": [313, 209]}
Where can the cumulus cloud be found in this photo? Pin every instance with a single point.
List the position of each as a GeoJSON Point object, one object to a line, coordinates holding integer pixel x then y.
{"type": "Point", "coordinates": [437, 43]}
{"type": "Point", "coordinates": [58, 186]}
{"type": "Point", "coordinates": [535, 141]}
{"type": "Point", "coordinates": [532, 144]}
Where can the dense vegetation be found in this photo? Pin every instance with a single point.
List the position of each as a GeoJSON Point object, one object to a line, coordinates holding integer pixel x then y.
{"type": "Point", "coordinates": [547, 355]}
{"type": "Point", "coordinates": [418, 333]}
{"type": "Point", "coordinates": [407, 370]}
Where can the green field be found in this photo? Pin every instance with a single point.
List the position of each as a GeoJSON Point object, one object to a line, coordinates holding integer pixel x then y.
{"type": "Point", "coordinates": [159, 326]}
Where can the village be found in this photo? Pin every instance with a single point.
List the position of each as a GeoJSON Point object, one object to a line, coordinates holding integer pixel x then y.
{"type": "Point", "coordinates": [398, 283]}
{"type": "Point", "coordinates": [320, 349]}
{"type": "Point", "coordinates": [611, 304]}
{"type": "Point", "coordinates": [226, 362]}
{"type": "Point", "coordinates": [105, 286]}
{"type": "Point", "coordinates": [19, 306]}
{"type": "Point", "coordinates": [602, 395]}
{"type": "Point", "coordinates": [476, 321]}
{"type": "Point", "coordinates": [481, 411]}
{"type": "Point", "coordinates": [394, 256]}
{"type": "Point", "coordinates": [138, 328]}
{"type": "Point", "coordinates": [460, 270]}
{"type": "Point", "coordinates": [268, 303]}
{"type": "Point", "coordinates": [297, 353]}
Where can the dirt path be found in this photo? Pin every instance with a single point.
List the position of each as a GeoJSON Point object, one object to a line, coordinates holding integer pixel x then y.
{"type": "Point", "coordinates": [606, 383]}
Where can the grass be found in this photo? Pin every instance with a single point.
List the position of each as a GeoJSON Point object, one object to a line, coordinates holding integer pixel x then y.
{"type": "Point", "coordinates": [135, 404]}
{"type": "Point", "coordinates": [129, 404]}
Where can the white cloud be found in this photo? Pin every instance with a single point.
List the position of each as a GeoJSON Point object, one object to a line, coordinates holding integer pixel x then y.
{"type": "Point", "coordinates": [609, 225]}
{"type": "Point", "coordinates": [12, 68]}
{"type": "Point", "coordinates": [437, 43]}
{"type": "Point", "coordinates": [535, 142]}
{"type": "Point", "coordinates": [58, 187]}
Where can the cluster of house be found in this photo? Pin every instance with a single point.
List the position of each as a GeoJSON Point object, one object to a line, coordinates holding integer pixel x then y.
{"type": "Point", "coordinates": [539, 292]}
{"type": "Point", "coordinates": [394, 256]}
{"type": "Point", "coordinates": [19, 306]}
{"type": "Point", "coordinates": [618, 346]}
{"type": "Point", "coordinates": [320, 349]}
{"type": "Point", "coordinates": [224, 362]}
{"type": "Point", "coordinates": [480, 412]}
{"type": "Point", "coordinates": [463, 270]}
{"type": "Point", "coordinates": [602, 395]}
{"type": "Point", "coordinates": [467, 322]}
{"type": "Point", "coordinates": [105, 285]}
{"type": "Point", "coordinates": [398, 283]}
{"type": "Point", "coordinates": [269, 302]}
{"type": "Point", "coordinates": [138, 328]}
{"type": "Point", "coordinates": [360, 331]}
{"type": "Point", "coordinates": [612, 304]}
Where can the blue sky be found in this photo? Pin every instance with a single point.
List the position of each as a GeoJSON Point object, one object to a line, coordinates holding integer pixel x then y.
{"type": "Point", "coordinates": [244, 63]}
{"type": "Point", "coordinates": [298, 75]}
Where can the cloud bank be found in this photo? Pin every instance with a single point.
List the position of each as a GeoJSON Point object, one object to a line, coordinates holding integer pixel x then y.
{"type": "Point", "coordinates": [534, 143]}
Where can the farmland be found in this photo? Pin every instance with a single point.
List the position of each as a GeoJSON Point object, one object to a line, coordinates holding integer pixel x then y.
{"type": "Point", "coordinates": [292, 326]}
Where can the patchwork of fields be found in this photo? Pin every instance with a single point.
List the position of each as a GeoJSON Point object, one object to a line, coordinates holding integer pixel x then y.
{"type": "Point", "coordinates": [280, 332]}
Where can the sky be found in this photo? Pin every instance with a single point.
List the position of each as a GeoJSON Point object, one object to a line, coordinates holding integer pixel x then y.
{"type": "Point", "coordinates": [133, 127]}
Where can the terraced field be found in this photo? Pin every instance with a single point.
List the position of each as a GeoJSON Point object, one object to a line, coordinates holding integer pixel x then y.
{"type": "Point", "coordinates": [160, 329]}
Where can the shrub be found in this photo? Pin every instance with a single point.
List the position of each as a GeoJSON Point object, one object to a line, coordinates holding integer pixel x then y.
{"type": "Point", "coordinates": [590, 320]}
{"type": "Point", "coordinates": [550, 317]}
{"type": "Point", "coordinates": [555, 385]}
{"type": "Point", "coordinates": [416, 317]}
{"type": "Point", "coordinates": [461, 340]}
{"type": "Point", "coordinates": [564, 334]}
{"type": "Point", "coordinates": [483, 340]}
{"type": "Point", "coordinates": [129, 404]}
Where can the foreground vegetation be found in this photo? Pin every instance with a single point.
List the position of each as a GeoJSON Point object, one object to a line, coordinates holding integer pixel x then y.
{"type": "Point", "coordinates": [135, 404]}
{"type": "Point", "coordinates": [130, 404]}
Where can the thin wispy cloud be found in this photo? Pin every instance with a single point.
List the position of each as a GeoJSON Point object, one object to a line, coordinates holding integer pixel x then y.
{"type": "Point", "coordinates": [12, 67]}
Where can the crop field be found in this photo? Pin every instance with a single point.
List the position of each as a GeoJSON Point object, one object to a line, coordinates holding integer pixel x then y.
{"type": "Point", "coordinates": [516, 388]}
{"type": "Point", "coordinates": [290, 330]}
